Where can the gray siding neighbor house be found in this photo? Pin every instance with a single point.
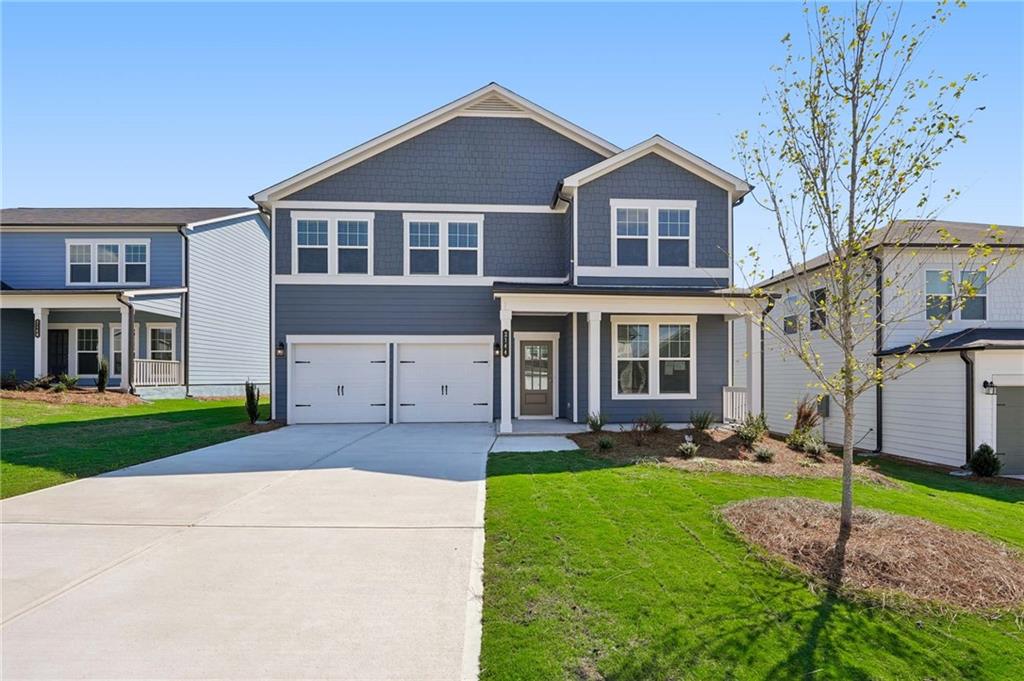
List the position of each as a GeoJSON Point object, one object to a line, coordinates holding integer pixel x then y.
{"type": "Point", "coordinates": [176, 300]}
{"type": "Point", "coordinates": [491, 260]}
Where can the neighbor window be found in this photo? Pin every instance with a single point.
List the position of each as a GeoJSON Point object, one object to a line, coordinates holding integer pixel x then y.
{"type": "Point", "coordinates": [974, 288]}
{"type": "Point", "coordinates": [312, 246]}
{"type": "Point", "coordinates": [938, 294]}
{"type": "Point", "coordinates": [653, 357]}
{"type": "Point", "coordinates": [446, 245]}
{"type": "Point", "coordinates": [818, 314]}
{"type": "Point", "coordinates": [652, 233]}
{"type": "Point", "coordinates": [87, 349]}
{"type": "Point", "coordinates": [107, 261]}
{"type": "Point", "coordinates": [790, 324]}
{"type": "Point", "coordinates": [161, 342]}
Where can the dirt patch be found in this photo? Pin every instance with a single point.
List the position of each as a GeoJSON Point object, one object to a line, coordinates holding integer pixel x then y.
{"type": "Point", "coordinates": [722, 450]}
{"type": "Point", "coordinates": [886, 555]}
{"type": "Point", "coordinates": [263, 427]}
{"type": "Point", "coordinates": [74, 396]}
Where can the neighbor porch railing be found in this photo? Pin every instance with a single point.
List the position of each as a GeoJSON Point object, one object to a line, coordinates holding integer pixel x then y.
{"type": "Point", "coordinates": [157, 372]}
{"type": "Point", "coordinates": [734, 404]}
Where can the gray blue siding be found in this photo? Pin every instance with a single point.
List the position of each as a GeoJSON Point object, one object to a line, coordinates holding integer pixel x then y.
{"type": "Point", "coordinates": [466, 160]}
{"type": "Point", "coordinates": [17, 346]}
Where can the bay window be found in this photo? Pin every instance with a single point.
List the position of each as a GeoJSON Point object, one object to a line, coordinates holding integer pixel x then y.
{"type": "Point", "coordinates": [653, 357]}
{"type": "Point", "coordinates": [443, 245]}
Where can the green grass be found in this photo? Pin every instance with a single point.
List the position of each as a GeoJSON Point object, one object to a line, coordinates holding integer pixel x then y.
{"type": "Point", "coordinates": [47, 444]}
{"type": "Point", "coordinates": [594, 570]}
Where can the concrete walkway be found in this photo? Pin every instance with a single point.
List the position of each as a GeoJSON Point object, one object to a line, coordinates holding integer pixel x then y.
{"type": "Point", "coordinates": [350, 552]}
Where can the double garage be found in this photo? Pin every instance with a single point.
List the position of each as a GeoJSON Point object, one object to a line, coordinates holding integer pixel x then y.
{"type": "Point", "coordinates": [380, 379]}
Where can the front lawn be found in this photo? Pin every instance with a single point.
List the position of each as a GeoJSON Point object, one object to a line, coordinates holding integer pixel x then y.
{"type": "Point", "coordinates": [45, 444]}
{"type": "Point", "coordinates": [598, 570]}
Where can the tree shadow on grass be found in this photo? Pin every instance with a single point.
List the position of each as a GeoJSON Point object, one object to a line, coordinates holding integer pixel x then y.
{"type": "Point", "coordinates": [997, 489]}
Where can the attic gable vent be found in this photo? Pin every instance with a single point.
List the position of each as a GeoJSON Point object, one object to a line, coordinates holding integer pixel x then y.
{"type": "Point", "coordinates": [494, 103]}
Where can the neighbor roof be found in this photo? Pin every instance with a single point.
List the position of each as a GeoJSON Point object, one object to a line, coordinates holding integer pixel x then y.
{"type": "Point", "coordinates": [113, 217]}
{"type": "Point", "coordinates": [971, 339]}
{"type": "Point", "coordinates": [911, 232]}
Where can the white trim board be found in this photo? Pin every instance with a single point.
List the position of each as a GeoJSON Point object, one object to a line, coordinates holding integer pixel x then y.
{"type": "Point", "coordinates": [519, 336]}
{"type": "Point", "coordinates": [411, 280]}
{"type": "Point", "coordinates": [335, 339]}
{"type": "Point", "coordinates": [418, 207]}
{"type": "Point", "coordinates": [653, 272]}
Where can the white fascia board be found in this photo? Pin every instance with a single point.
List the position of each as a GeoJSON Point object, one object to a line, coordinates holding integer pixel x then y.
{"type": "Point", "coordinates": [135, 293]}
{"type": "Point", "coordinates": [58, 300]}
{"type": "Point", "coordinates": [421, 125]}
{"type": "Point", "coordinates": [669, 151]}
{"type": "Point", "coordinates": [408, 280]}
{"type": "Point", "coordinates": [529, 303]}
{"type": "Point", "coordinates": [419, 207]}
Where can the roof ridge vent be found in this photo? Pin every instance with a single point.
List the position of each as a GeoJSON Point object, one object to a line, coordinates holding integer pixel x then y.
{"type": "Point", "coordinates": [494, 103]}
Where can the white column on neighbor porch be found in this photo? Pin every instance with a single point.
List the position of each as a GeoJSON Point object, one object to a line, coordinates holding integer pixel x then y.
{"type": "Point", "coordinates": [593, 363]}
{"type": "Point", "coordinates": [753, 332]}
{"type": "Point", "coordinates": [40, 318]}
{"type": "Point", "coordinates": [506, 372]}
{"type": "Point", "coordinates": [125, 344]}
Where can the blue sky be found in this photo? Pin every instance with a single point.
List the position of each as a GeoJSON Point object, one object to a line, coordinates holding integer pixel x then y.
{"type": "Point", "coordinates": [199, 104]}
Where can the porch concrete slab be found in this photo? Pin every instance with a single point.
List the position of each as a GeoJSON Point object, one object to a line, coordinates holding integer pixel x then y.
{"type": "Point", "coordinates": [533, 443]}
{"type": "Point", "coordinates": [260, 603]}
{"type": "Point", "coordinates": [547, 427]}
{"type": "Point", "coordinates": [39, 561]}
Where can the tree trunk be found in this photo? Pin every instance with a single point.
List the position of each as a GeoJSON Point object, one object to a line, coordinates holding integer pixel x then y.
{"type": "Point", "coordinates": [846, 510]}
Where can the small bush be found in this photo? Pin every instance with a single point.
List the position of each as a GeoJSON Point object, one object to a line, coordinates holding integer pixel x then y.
{"type": "Point", "coordinates": [764, 455]}
{"type": "Point", "coordinates": [102, 376]}
{"type": "Point", "coordinates": [596, 421]}
{"type": "Point", "coordinates": [252, 401]}
{"type": "Point", "coordinates": [688, 449]}
{"type": "Point", "coordinates": [9, 381]}
{"type": "Point", "coordinates": [984, 463]}
{"type": "Point", "coordinates": [640, 431]}
{"type": "Point", "coordinates": [655, 423]}
{"type": "Point", "coordinates": [815, 448]}
{"type": "Point", "coordinates": [605, 443]}
{"type": "Point", "coordinates": [752, 429]}
{"type": "Point", "coordinates": [68, 382]}
{"type": "Point", "coordinates": [798, 439]}
{"type": "Point", "coordinates": [807, 416]}
{"type": "Point", "coordinates": [701, 421]}
{"type": "Point", "coordinates": [59, 387]}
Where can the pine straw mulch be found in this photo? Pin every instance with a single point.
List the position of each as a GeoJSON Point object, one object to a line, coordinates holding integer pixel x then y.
{"type": "Point", "coordinates": [108, 398]}
{"type": "Point", "coordinates": [888, 557]}
{"type": "Point", "coordinates": [721, 450]}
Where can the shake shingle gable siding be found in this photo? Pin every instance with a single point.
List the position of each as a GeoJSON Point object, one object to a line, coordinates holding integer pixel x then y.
{"type": "Point", "coordinates": [466, 160]}
{"type": "Point", "coordinates": [653, 177]}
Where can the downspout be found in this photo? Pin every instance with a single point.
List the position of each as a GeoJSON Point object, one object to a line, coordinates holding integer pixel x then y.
{"type": "Point", "coordinates": [184, 312]}
{"type": "Point", "coordinates": [878, 350]}
{"type": "Point", "coordinates": [128, 369]}
{"type": "Point", "coordinates": [969, 402]}
{"type": "Point", "coordinates": [767, 310]}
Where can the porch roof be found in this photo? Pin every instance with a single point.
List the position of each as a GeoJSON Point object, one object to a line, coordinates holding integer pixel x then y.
{"type": "Point", "coordinates": [970, 339]}
{"type": "Point", "coordinates": [570, 289]}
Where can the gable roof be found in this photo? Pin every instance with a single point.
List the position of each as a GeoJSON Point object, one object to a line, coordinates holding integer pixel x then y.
{"type": "Point", "coordinates": [668, 150]}
{"type": "Point", "coordinates": [490, 100]}
{"type": "Point", "coordinates": [114, 217]}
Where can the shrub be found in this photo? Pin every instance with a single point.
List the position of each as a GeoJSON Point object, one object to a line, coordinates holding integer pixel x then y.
{"type": "Point", "coordinates": [655, 423]}
{"type": "Point", "coordinates": [59, 387]}
{"type": "Point", "coordinates": [596, 421]}
{"type": "Point", "coordinates": [752, 429]}
{"type": "Point", "coordinates": [798, 439]}
{"type": "Point", "coordinates": [66, 381]}
{"type": "Point", "coordinates": [815, 448]}
{"type": "Point", "coordinates": [984, 463]}
{"type": "Point", "coordinates": [9, 381]}
{"type": "Point", "coordinates": [640, 430]}
{"type": "Point", "coordinates": [102, 376]}
{"type": "Point", "coordinates": [764, 455]}
{"type": "Point", "coordinates": [701, 421]}
{"type": "Point", "coordinates": [688, 449]}
{"type": "Point", "coordinates": [605, 443]}
{"type": "Point", "coordinates": [252, 401]}
{"type": "Point", "coordinates": [807, 416]}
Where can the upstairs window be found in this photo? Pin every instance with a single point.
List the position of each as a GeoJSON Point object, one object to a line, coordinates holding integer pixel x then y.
{"type": "Point", "coordinates": [312, 246]}
{"type": "Point", "coordinates": [652, 233]}
{"type": "Point", "coordinates": [353, 246]}
{"type": "Point", "coordinates": [443, 245]}
{"type": "Point", "coordinates": [974, 287]}
{"type": "Point", "coordinates": [938, 294]}
{"type": "Point", "coordinates": [111, 262]}
{"type": "Point", "coordinates": [332, 243]}
{"type": "Point", "coordinates": [818, 315]}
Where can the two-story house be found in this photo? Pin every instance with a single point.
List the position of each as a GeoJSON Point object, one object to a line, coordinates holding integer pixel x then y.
{"type": "Point", "coordinates": [175, 299]}
{"type": "Point", "coordinates": [492, 260]}
{"type": "Point", "coordinates": [968, 384]}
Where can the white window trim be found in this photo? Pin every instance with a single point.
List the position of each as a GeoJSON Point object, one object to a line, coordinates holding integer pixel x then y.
{"type": "Point", "coordinates": [517, 338]}
{"type": "Point", "coordinates": [332, 218]}
{"type": "Point", "coordinates": [955, 275]}
{"type": "Point", "coordinates": [150, 326]}
{"type": "Point", "coordinates": [653, 358]}
{"type": "Point", "coordinates": [442, 244]}
{"type": "Point", "coordinates": [652, 206]}
{"type": "Point", "coordinates": [72, 330]}
{"type": "Point", "coordinates": [93, 256]}
{"type": "Point", "coordinates": [116, 326]}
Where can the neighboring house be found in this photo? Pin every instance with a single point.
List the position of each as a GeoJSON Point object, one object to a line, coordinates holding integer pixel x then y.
{"type": "Point", "coordinates": [493, 260]}
{"type": "Point", "coordinates": [175, 299]}
{"type": "Point", "coordinates": [968, 388]}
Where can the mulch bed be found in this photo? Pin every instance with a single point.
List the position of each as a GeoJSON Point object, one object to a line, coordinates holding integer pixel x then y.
{"type": "Point", "coordinates": [721, 450]}
{"type": "Point", "coordinates": [74, 396]}
{"type": "Point", "coordinates": [253, 428]}
{"type": "Point", "coordinates": [891, 557]}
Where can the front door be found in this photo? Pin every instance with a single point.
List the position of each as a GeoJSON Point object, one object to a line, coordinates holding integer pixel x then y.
{"type": "Point", "coordinates": [57, 351]}
{"type": "Point", "coordinates": [536, 384]}
{"type": "Point", "coordinates": [1010, 429]}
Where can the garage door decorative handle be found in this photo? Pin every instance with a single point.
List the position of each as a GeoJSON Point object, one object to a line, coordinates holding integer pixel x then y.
{"type": "Point", "coordinates": [303, 361]}
{"type": "Point", "coordinates": [341, 391]}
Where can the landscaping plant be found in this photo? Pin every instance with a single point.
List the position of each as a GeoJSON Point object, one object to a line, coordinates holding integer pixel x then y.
{"type": "Point", "coordinates": [9, 381]}
{"type": "Point", "coordinates": [764, 455]}
{"type": "Point", "coordinates": [752, 429]}
{"type": "Point", "coordinates": [984, 463]}
{"type": "Point", "coordinates": [102, 376]}
{"type": "Point", "coordinates": [605, 443]}
{"type": "Point", "coordinates": [701, 421]}
{"type": "Point", "coordinates": [655, 422]}
{"type": "Point", "coordinates": [640, 431]}
{"type": "Point", "coordinates": [807, 416]}
{"type": "Point", "coordinates": [66, 382]}
{"type": "Point", "coordinates": [252, 401]}
{"type": "Point", "coordinates": [596, 421]}
{"type": "Point", "coordinates": [688, 449]}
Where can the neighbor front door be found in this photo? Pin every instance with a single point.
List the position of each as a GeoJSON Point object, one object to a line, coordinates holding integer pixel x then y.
{"type": "Point", "coordinates": [57, 352]}
{"type": "Point", "coordinates": [536, 382]}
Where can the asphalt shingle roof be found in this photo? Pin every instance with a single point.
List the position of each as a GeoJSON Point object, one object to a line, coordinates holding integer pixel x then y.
{"type": "Point", "coordinates": [106, 217]}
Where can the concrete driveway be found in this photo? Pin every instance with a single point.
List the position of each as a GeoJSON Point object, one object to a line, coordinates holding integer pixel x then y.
{"type": "Point", "coordinates": [348, 552]}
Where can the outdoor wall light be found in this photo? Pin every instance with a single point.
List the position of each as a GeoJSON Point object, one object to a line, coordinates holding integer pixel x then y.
{"type": "Point", "coordinates": [497, 349]}
{"type": "Point", "coordinates": [990, 387]}
{"type": "Point", "coordinates": [279, 350]}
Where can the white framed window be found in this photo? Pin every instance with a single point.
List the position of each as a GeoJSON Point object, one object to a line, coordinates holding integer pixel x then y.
{"type": "Point", "coordinates": [975, 285]}
{"type": "Point", "coordinates": [444, 245]}
{"type": "Point", "coordinates": [819, 316]}
{"type": "Point", "coordinates": [332, 242]}
{"type": "Point", "coordinates": [649, 233]}
{"type": "Point", "coordinates": [938, 294]}
{"type": "Point", "coordinates": [87, 350]}
{"type": "Point", "coordinates": [116, 361]}
{"type": "Point", "coordinates": [161, 341]}
{"type": "Point", "coordinates": [106, 261]}
{"type": "Point", "coordinates": [654, 357]}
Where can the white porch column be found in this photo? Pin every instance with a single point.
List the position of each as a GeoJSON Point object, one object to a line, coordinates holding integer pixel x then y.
{"type": "Point", "coordinates": [753, 332]}
{"type": "Point", "coordinates": [506, 372]}
{"type": "Point", "coordinates": [41, 317]}
{"type": "Point", "coordinates": [126, 358]}
{"type": "Point", "coordinates": [593, 363]}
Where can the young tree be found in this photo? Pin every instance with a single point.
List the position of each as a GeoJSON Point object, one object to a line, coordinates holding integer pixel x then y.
{"type": "Point", "coordinates": [849, 140]}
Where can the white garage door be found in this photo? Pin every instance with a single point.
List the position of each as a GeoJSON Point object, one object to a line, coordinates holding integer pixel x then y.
{"type": "Point", "coordinates": [444, 382]}
{"type": "Point", "coordinates": [339, 383]}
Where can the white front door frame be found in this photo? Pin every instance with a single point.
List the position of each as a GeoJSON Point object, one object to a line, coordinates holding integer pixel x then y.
{"type": "Point", "coordinates": [518, 337]}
